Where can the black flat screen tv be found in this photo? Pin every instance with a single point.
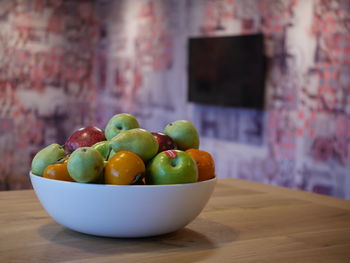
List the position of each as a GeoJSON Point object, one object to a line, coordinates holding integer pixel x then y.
{"type": "Point", "coordinates": [227, 71]}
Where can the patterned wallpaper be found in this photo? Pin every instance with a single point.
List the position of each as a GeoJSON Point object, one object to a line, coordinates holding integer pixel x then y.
{"type": "Point", "coordinates": [46, 63]}
{"type": "Point", "coordinates": [72, 63]}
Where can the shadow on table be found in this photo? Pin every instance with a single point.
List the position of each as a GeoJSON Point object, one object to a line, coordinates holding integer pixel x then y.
{"type": "Point", "coordinates": [202, 234]}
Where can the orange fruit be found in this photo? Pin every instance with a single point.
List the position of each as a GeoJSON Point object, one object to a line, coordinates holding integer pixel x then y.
{"type": "Point", "coordinates": [205, 164]}
{"type": "Point", "coordinates": [123, 167]}
{"type": "Point", "coordinates": [57, 171]}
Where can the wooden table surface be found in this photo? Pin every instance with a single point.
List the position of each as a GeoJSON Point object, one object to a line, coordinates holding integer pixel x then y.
{"type": "Point", "coordinates": [243, 222]}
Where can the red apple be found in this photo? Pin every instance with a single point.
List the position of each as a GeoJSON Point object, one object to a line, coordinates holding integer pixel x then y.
{"type": "Point", "coordinates": [165, 142]}
{"type": "Point", "coordinates": [84, 137]}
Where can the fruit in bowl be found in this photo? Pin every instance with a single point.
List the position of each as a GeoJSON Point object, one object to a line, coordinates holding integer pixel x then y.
{"type": "Point", "coordinates": [136, 140]}
{"type": "Point", "coordinates": [164, 142]}
{"type": "Point", "coordinates": [184, 133]}
{"type": "Point", "coordinates": [205, 164]}
{"type": "Point", "coordinates": [102, 180]}
{"type": "Point", "coordinates": [172, 167]}
{"type": "Point", "coordinates": [85, 165]}
{"type": "Point", "coordinates": [120, 122]}
{"type": "Point", "coordinates": [103, 148]}
{"type": "Point", "coordinates": [84, 137]}
{"type": "Point", "coordinates": [124, 168]}
{"type": "Point", "coordinates": [49, 155]}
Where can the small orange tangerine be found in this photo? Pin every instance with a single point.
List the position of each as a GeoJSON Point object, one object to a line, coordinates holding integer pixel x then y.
{"type": "Point", "coordinates": [122, 168]}
{"type": "Point", "coordinates": [205, 164]}
{"type": "Point", "coordinates": [57, 171]}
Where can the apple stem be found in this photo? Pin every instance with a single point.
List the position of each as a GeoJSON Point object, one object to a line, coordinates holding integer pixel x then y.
{"type": "Point", "coordinates": [173, 162]}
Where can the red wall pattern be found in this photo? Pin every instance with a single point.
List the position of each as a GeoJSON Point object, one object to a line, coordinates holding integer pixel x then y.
{"type": "Point", "coordinates": [89, 60]}
{"type": "Point", "coordinates": [46, 62]}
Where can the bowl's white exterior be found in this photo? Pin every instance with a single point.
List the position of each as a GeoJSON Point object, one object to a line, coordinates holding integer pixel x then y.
{"type": "Point", "coordinates": [122, 211]}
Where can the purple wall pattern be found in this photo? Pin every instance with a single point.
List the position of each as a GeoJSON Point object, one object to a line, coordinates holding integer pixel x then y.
{"type": "Point", "coordinates": [46, 61]}
{"type": "Point", "coordinates": [73, 63]}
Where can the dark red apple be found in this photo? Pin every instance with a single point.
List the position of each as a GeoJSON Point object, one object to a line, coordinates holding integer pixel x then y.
{"type": "Point", "coordinates": [164, 141]}
{"type": "Point", "coordinates": [84, 137]}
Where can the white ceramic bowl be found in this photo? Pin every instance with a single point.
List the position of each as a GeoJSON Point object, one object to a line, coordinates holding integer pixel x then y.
{"type": "Point", "coordinates": [122, 211]}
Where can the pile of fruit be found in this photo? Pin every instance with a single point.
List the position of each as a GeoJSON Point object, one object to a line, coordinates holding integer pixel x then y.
{"type": "Point", "coordinates": [125, 154]}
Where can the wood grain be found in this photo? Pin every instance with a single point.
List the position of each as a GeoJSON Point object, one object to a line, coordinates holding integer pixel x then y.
{"type": "Point", "coordinates": [243, 222]}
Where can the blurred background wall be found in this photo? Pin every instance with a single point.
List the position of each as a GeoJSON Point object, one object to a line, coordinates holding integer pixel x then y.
{"type": "Point", "coordinates": [67, 64]}
{"type": "Point", "coordinates": [46, 66]}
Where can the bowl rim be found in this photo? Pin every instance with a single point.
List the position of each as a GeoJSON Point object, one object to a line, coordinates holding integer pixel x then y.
{"type": "Point", "coordinates": [212, 180]}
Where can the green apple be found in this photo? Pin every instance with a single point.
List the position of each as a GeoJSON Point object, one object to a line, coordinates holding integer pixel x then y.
{"type": "Point", "coordinates": [103, 148]}
{"type": "Point", "coordinates": [85, 165]}
{"type": "Point", "coordinates": [184, 134]}
{"type": "Point", "coordinates": [49, 155]}
{"type": "Point", "coordinates": [138, 141]}
{"type": "Point", "coordinates": [172, 167]}
{"type": "Point", "coordinates": [120, 122]}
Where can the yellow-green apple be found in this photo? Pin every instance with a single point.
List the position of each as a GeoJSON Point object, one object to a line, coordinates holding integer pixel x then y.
{"type": "Point", "coordinates": [85, 165]}
{"type": "Point", "coordinates": [103, 148]}
{"type": "Point", "coordinates": [48, 155]}
{"type": "Point", "coordinates": [120, 122]}
{"type": "Point", "coordinates": [138, 141]}
{"type": "Point", "coordinates": [184, 134]}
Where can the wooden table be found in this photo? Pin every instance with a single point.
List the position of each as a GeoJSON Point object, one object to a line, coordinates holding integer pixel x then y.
{"type": "Point", "coordinates": [243, 222]}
